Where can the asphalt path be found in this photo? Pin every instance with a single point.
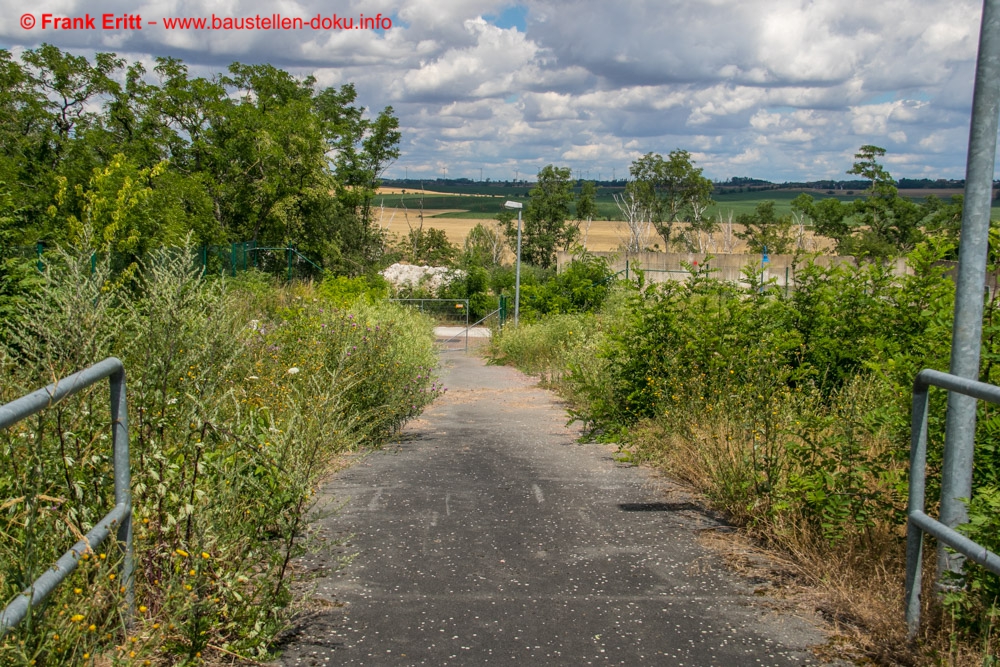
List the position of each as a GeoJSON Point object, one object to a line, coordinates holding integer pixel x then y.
{"type": "Point", "coordinates": [490, 536]}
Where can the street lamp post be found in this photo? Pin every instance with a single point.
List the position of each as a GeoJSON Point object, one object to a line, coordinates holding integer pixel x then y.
{"type": "Point", "coordinates": [517, 271]}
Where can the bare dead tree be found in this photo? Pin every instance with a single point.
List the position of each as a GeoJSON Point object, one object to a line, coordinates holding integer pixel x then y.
{"type": "Point", "coordinates": [586, 231]}
{"type": "Point", "coordinates": [728, 237]}
{"type": "Point", "coordinates": [801, 241]}
{"type": "Point", "coordinates": [701, 228]}
{"type": "Point", "coordinates": [384, 224]}
{"type": "Point", "coordinates": [638, 221]}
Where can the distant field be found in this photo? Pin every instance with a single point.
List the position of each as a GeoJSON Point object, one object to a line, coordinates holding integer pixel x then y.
{"type": "Point", "coordinates": [604, 235]}
{"type": "Point", "coordinates": [485, 205]}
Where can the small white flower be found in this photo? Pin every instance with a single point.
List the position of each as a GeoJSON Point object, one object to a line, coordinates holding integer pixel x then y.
{"type": "Point", "coordinates": [293, 370]}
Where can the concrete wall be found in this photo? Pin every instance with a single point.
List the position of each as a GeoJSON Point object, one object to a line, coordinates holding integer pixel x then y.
{"type": "Point", "coordinates": [663, 266]}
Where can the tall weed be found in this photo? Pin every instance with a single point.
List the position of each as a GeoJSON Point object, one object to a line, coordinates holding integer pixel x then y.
{"type": "Point", "coordinates": [240, 393]}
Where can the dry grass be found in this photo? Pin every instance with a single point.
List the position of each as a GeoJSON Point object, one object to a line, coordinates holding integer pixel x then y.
{"type": "Point", "coordinates": [854, 585]}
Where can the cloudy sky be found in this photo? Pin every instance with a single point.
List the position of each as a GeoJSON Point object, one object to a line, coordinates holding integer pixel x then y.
{"type": "Point", "coordinates": [777, 89]}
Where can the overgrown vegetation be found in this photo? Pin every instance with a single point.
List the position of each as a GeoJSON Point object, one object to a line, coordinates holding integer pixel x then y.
{"type": "Point", "coordinates": [240, 396]}
{"type": "Point", "coordinates": [788, 410]}
{"type": "Point", "coordinates": [792, 414]}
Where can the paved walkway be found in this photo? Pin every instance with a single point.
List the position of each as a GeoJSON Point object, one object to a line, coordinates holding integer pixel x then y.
{"type": "Point", "coordinates": [460, 332]}
{"type": "Point", "coordinates": [490, 536]}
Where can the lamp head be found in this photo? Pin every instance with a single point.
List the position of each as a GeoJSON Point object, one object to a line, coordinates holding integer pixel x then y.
{"type": "Point", "coordinates": [513, 204]}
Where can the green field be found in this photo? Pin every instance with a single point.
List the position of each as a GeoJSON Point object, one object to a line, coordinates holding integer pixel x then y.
{"type": "Point", "coordinates": [487, 202]}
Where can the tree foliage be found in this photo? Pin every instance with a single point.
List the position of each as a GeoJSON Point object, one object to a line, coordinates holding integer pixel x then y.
{"type": "Point", "coordinates": [544, 224]}
{"type": "Point", "coordinates": [669, 190]}
{"type": "Point", "coordinates": [254, 154]}
{"type": "Point", "coordinates": [766, 231]}
{"type": "Point", "coordinates": [881, 225]}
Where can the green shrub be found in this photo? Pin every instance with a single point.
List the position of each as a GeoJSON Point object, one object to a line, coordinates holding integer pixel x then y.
{"type": "Point", "coordinates": [792, 413]}
{"type": "Point", "coordinates": [343, 292]}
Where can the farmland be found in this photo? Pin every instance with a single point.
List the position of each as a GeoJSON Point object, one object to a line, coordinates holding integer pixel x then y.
{"type": "Point", "coordinates": [456, 213]}
{"type": "Point", "coordinates": [485, 200]}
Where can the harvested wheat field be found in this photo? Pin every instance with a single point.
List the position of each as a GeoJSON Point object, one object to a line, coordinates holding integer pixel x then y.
{"type": "Point", "coordinates": [603, 235]}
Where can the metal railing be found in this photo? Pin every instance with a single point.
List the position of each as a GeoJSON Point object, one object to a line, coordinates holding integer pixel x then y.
{"type": "Point", "coordinates": [468, 327]}
{"type": "Point", "coordinates": [291, 258]}
{"type": "Point", "coordinates": [918, 522]}
{"type": "Point", "coordinates": [436, 309]}
{"type": "Point", "coordinates": [118, 519]}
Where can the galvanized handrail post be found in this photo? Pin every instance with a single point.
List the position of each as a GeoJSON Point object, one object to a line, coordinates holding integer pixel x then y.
{"type": "Point", "coordinates": [119, 519]}
{"type": "Point", "coordinates": [960, 425]}
{"type": "Point", "coordinates": [918, 522]}
{"type": "Point", "coordinates": [123, 483]}
{"type": "Point", "coordinates": [918, 472]}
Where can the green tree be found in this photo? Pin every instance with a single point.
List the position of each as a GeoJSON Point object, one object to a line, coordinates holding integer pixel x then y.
{"type": "Point", "coordinates": [944, 219]}
{"type": "Point", "coordinates": [545, 217]}
{"type": "Point", "coordinates": [669, 189]}
{"type": "Point", "coordinates": [256, 154]}
{"type": "Point", "coordinates": [829, 217]}
{"type": "Point", "coordinates": [363, 150]}
{"type": "Point", "coordinates": [428, 246]}
{"type": "Point", "coordinates": [889, 224]}
{"type": "Point", "coordinates": [764, 228]}
{"type": "Point", "coordinates": [484, 246]}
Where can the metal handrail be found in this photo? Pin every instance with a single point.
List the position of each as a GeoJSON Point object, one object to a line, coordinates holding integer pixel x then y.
{"type": "Point", "coordinates": [468, 327]}
{"type": "Point", "coordinates": [119, 518]}
{"type": "Point", "coordinates": [290, 251]}
{"type": "Point", "coordinates": [918, 522]}
{"type": "Point", "coordinates": [465, 310]}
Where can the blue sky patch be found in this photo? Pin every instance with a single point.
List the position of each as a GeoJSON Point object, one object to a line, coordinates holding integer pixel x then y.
{"type": "Point", "coordinates": [515, 16]}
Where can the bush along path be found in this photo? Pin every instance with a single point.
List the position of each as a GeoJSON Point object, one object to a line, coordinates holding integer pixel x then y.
{"type": "Point", "coordinates": [488, 535]}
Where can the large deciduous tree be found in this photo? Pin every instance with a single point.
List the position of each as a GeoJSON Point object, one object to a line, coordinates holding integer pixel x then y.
{"type": "Point", "coordinates": [669, 190]}
{"type": "Point", "coordinates": [256, 154]}
{"type": "Point", "coordinates": [881, 225]}
{"type": "Point", "coordinates": [545, 217]}
{"type": "Point", "coordinates": [889, 224]}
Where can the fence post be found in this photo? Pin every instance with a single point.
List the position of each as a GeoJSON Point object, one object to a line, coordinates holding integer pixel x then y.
{"type": "Point", "coordinates": [960, 423]}
{"type": "Point", "coordinates": [123, 486]}
{"type": "Point", "coordinates": [39, 249]}
{"type": "Point", "coordinates": [289, 252]}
